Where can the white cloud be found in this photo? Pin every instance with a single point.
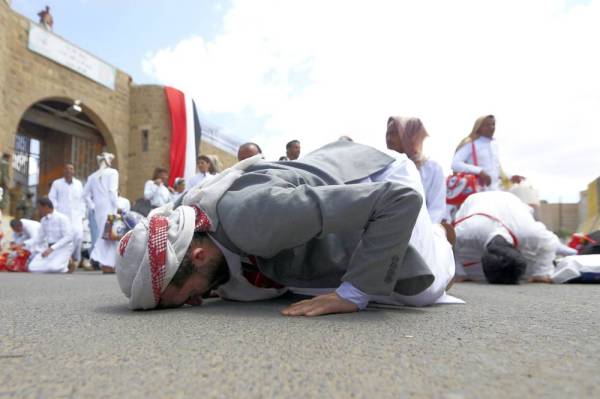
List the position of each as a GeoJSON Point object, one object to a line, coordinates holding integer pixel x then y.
{"type": "Point", "coordinates": [315, 70]}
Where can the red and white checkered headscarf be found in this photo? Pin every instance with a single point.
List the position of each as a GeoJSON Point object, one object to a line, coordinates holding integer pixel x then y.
{"type": "Point", "coordinates": [150, 254]}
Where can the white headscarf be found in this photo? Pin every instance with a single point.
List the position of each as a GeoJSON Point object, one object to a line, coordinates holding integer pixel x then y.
{"type": "Point", "coordinates": [149, 255]}
{"type": "Point", "coordinates": [105, 157]}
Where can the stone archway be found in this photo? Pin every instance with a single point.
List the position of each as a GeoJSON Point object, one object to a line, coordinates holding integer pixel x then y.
{"type": "Point", "coordinates": [51, 132]}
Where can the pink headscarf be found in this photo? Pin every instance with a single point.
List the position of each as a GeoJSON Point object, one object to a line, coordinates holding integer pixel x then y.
{"type": "Point", "coordinates": [411, 133]}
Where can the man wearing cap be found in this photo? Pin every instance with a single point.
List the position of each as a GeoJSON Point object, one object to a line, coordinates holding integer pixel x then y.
{"type": "Point", "coordinates": [342, 217]}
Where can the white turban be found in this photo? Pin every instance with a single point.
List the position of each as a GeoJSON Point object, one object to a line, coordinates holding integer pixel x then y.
{"type": "Point", "coordinates": [105, 157]}
{"type": "Point", "coordinates": [149, 255]}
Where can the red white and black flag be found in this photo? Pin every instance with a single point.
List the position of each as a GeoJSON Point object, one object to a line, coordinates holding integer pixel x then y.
{"type": "Point", "coordinates": [185, 134]}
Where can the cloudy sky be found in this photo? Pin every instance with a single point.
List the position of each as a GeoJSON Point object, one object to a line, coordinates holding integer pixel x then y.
{"type": "Point", "coordinates": [270, 71]}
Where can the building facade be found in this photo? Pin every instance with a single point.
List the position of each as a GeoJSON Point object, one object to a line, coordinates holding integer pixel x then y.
{"type": "Point", "coordinates": [58, 104]}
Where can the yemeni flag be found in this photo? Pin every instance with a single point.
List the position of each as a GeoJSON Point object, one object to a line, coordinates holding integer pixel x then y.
{"type": "Point", "coordinates": [185, 134]}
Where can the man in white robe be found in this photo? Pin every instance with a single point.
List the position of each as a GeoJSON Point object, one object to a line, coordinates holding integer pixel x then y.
{"type": "Point", "coordinates": [56, 237]}
{"type": "Point", "coordinates": [478, 154]}
{"type": "Point", "coordinates": [498, 227]}
{"type": "Point", "coordinates": [66, 195]}
{"type": "Point", "coordinates": [25, 231]}
{"type": "Point", "coordinates": [102, 195]}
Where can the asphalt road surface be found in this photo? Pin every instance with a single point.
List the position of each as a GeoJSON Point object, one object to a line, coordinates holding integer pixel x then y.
{"type": "Point", "coordinates": [73, 336]}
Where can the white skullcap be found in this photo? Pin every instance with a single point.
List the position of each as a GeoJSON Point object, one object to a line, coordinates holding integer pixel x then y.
{"type": "Point", "coordinates": [149, 255]}
{"type": "Point", "coordinates": [526, 193]}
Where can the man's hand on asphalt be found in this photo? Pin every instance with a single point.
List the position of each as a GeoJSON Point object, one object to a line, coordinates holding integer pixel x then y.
{"type": "Point", "coordinates": [320, 305]}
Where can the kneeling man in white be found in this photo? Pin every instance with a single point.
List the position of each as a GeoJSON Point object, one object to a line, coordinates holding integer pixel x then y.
{"type": "Point", "coordinates": [56, 236]}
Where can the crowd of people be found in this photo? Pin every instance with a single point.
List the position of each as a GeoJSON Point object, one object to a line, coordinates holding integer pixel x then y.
{"type": "Point", "coordinates": [346, 223]}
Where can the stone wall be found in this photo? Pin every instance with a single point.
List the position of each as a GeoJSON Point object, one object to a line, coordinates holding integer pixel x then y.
{"type": "Point", "coordinates": [560, 218]}
{"type": "Point", "coordinates": [227, 159]}
{"type": "Point", "coordinates": [121, 115]}
{"type": "Point", "coordinates": [589, 208]}
{"type": "Point", "coordinates": [30, 78]}
{"type": "Point", "coordinates": [149, 122]}
{"type": "Point", "coordinates": [4, 58]}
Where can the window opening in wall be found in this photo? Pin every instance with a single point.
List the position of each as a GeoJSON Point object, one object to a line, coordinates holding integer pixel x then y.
{"type": "Point", "coordinates": [145, 140]}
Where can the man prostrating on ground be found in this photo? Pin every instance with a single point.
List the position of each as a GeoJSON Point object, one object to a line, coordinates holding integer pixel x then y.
{"type": "Point", "coordinates": [342, 217]}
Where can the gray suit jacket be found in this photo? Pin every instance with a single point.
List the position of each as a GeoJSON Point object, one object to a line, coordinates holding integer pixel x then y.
{"type": "Point", "coordinates": [309, 226]}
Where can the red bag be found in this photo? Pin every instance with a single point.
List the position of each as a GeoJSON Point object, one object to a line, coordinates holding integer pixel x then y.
{"type": "Point", "coordinates": [460, 185]}
{"type": "Point", "coordinates": [16, 260]}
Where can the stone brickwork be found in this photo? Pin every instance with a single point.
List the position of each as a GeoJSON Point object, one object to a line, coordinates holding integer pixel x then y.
{"type": "Point", "coordinates": [121, 115]}
{"type": "Point", "coordinates": [560, 218]}
{"type": "Point", "coordinates": [149, 122]}
{"type": "Point", "coordinates": [227, 159]}
{"type": "Point", "coordinates": [30, 78]}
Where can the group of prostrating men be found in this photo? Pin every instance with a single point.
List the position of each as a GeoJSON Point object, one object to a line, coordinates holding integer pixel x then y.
{"type": "Point", "coordinates": [346, 223]}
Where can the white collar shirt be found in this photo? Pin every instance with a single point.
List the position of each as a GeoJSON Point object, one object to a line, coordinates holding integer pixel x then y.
{"type": "Point", "coordinates": [56, 230]}
{"type": "Point", "coordinates": [238, 288]}
{"type": "Point", "coordinates": [157, 194]}
{"type": "Point", "coordinates": [67, 198]}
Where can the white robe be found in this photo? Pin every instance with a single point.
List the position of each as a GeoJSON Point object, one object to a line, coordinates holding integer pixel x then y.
{"type": "Point", "coordinates": [103, 186]}
{"type": "Point", "coordinates": [573, 267]}
{"type": "Point", "coordinates": [105, 251]}
{"type": "Point", "coordinates": [68, 200]}
{"type": "Point", "coordinates": [488, 160]}
{"type": "Point", "coordinates": [434, 183]}
{"type": "Point", "coordinates": [537, 244]}
{"type": "Point", "coordinates": [55, 230]}
{"type": "Point", "coordinates": [427, 238]}
{"type": "Point", "coordinates": [28, 235]}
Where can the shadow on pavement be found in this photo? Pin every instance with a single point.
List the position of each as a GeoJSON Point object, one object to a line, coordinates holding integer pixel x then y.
{"type": "Point", "coordinates": [259, 309]}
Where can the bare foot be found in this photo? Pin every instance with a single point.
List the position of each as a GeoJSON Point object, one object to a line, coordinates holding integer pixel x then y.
{"type": "Point", "coordinates": [72, 266]}
{"type": "Point", "coordinates": [540, 279]}
{"type": "Point", "coordinates": [86, 265]}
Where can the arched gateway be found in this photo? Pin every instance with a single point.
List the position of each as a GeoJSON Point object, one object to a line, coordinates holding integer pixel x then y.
{"type": "Point", "coordinates": [50, 133]}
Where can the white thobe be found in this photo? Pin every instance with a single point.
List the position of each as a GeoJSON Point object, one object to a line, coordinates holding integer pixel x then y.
{"type": "Point", "coordinates": [67, 198]}
{"type": "Point", "coordinates": [57, 234]}
{"type": "Point", "coordinates": [101, 191]}
{"type": "Point", "coordinates": [487, 160]}
{"type": "Point", "coordinates": [105, 251]}
{"type": "Point", "coordinates": [157, 194]}
{"type": "Point", "coordinates": [28, 236]}
{"type": "Point", "coordinates": [428, 239]}
{"type": "Point", "coordinates": [536, 243]}
{"type": "Point", "coordinates": [197, 179]}
{"type": "Point", "coordinates": [572, 267]}
{"type": "Point", "coordinates": [434, 184]}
